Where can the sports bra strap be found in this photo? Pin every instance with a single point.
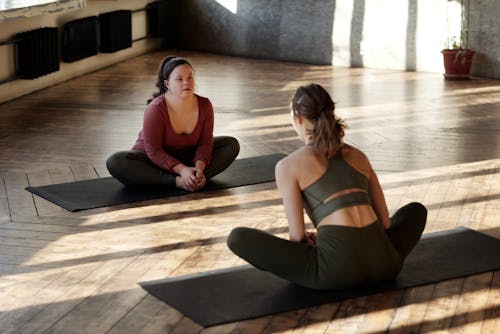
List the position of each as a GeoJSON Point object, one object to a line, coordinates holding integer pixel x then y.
{"type": "Point", "coordinates": [339, 176]}
{"type": "Point", "coordinates": [321, 210]}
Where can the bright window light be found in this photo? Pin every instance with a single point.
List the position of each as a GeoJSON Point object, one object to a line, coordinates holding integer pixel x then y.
{"type": "Point", "coordinates": [231, 5]}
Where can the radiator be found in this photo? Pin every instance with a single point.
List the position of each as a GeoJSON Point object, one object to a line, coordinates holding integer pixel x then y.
{"type": "Point", "coordinates": [37, 52]}
{"type": "Point", "coordinates": [115, 31]}
{"type": "Point", "coordinates": [79, 39]}
{"type": "Point", "coordinates": [156, 18]}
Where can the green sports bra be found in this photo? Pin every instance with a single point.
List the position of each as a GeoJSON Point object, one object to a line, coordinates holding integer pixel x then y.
{"type": "Point", "coordinates": [339, 175]}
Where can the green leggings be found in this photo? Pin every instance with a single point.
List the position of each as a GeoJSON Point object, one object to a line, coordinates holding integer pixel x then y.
{"type": "Point", "coordinates": [134, 169]}
{"type": "Point", "coordinates": [343, 257]}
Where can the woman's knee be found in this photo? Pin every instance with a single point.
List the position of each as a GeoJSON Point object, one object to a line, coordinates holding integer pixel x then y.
{"type": "Point", "coordinates": [234, 144]}
{"type": "Point", "coordinates": [412, 216]}
{"type": "Point", "coordinates": [244, 240]}
{"type": "Point", "coordinates": [123, 166]}
{"type": "Point", "coordinates": [413, 209]}
{"type": "Point", "coordinates": [230, 144]}
{"type": "Point", "coordinates": [115, 162]}
{"type": "Point", "coordinates": [237, 238]}
{"type": "Point", "coordinates": [419, 211]}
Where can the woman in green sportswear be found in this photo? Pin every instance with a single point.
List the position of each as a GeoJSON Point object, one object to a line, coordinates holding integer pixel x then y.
{"type": "Point", "coordinates": [355, 241]}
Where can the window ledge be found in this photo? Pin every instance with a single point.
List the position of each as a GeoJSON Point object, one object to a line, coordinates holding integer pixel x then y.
{"type": "Point", "coordinates": [16, 9]}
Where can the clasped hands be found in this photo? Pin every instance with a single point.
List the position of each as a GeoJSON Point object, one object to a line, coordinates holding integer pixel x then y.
{"type": "Point", "coordinates": [191, 178]}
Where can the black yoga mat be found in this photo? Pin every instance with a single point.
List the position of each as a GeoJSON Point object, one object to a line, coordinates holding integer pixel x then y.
{"type": "Point", "coordinates": [244, 292]}
{"type": "Point", "coordinates": [107, 191]}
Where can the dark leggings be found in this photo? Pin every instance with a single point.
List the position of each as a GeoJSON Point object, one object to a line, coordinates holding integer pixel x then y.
{"type": "Point", "coordinates": [134, 169]}
{"type": "Point", "coordinates": [343, 257]}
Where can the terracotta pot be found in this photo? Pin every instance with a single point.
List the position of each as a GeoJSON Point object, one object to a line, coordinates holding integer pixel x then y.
{"type": "Point", "coordinates": [457, 63]}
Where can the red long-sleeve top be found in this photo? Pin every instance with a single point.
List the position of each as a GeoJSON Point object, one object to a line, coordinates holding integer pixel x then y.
{"type": "Point", "coordinates": [163, 146]}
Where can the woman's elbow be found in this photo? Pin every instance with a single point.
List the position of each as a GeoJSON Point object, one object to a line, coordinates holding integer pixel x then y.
{"type": "Point", "coordinates": [296, 237]}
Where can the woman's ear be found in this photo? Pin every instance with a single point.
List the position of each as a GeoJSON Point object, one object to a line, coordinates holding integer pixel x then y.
{"type": "Point", "coordinates": [165, 82]}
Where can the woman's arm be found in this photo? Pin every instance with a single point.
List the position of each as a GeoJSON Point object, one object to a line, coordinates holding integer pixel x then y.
{"type": "Point", "coordinates": [153, 129]}
{"type": "Point", "coordinates": [205, 143]}
{"type": "Point", "coordinates": [378, 200]}
{"type": "Point", "coordinates": [292, 200]}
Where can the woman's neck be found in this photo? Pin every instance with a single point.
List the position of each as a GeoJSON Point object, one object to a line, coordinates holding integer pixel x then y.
{"type": "Point", "coordinates": [308, 140]}
{"type": "Point", "coordinates": [178, 101]}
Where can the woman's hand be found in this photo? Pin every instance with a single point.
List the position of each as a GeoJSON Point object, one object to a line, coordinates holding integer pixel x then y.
{"type": "Point", "coordinates": [186, 179]}
{"type": "Point", "coordinates": [200, 178]}
{"type": "Point", "coordinates": [190, 178]}
{"type": "Point", "coordinates": [199, 167]}
{"type": "Point", "coordinates": [310, 238]}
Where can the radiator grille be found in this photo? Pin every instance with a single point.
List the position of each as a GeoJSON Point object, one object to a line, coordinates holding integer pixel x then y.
{"type": "Point", "coordinates": [37, 52]}
{"type": "Point", "coordinates": [79, 39]}
{"type": "Point", "coordinates": [115, 31]}
{"type": "Point", "coordinates": [161, 21]}
{"type": "Point", "coordinates": [156, 18]}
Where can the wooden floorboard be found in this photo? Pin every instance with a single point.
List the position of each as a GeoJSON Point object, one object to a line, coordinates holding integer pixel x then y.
{"type": "Point", "coordinates": [430, 140]}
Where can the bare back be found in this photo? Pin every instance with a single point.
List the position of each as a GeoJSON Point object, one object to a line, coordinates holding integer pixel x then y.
{"type": "Point", "coordinates": [307, 166]}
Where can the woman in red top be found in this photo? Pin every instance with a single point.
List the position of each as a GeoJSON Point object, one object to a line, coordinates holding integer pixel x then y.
{"type": "Point", "coordinates": [176, 147]}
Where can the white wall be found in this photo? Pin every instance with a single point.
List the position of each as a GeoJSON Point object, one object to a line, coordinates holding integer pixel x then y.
{"type": "Point", "coordinates": [9, 28]}
{"type": "Point", "coordinates": [393, 34]}
{"type": "Point", "coordinates": [409, 34]}
{"type": "Point", "coordinates": [385, 34]}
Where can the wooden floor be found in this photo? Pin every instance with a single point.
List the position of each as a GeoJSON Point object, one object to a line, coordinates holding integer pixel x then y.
{"type": "Point", "coordinates": [430, 140]}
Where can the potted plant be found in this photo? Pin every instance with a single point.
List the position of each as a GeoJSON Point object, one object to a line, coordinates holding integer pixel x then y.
{"type": "Point", "coordinates": [457, 56]}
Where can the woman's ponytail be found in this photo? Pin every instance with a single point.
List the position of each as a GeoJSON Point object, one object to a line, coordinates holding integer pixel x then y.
{"type": "Point", "coordinates": [315, 104]}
